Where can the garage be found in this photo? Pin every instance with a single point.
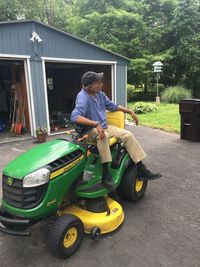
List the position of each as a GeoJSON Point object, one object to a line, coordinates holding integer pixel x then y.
{"type": "Point", "coordinates": [41, 69]}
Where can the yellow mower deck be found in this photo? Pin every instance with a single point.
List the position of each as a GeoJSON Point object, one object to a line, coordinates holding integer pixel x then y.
{"type": "Point", "coordinates": [106, 222]}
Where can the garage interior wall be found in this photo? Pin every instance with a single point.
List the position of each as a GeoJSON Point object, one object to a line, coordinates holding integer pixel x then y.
{"type": "Point", "coordinates": [14, 113]}
{"type": "Point", "coordinates": [64, 83]}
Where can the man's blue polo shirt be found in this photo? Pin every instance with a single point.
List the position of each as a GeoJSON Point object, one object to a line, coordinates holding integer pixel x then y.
{"type": "Point", "coordinates": [93, 107]}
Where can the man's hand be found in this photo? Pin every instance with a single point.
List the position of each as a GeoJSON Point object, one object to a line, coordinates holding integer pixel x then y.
{"type": "Point", "coordinates": [135, 118]}
{"type": "Point", "coordinates": [126, 110]}
{"type": "Point", "coordinates": [100, 131]}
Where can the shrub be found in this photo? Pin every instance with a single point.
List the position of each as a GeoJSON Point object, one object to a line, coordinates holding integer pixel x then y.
{"type": "Point", "coordinates": [130, 90]}
{"type": "Point", "coordinates": [141, 107]}
{"type": "Point", "coordinates": [174, 94]}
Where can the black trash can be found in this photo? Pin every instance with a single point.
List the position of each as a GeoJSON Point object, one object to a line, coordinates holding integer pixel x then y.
{"type": "Point", "coordinates": [189, 110]}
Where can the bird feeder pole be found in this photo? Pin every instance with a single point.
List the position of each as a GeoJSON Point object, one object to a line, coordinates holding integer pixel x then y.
{"type": "Point", "coordinates": [157, 69]}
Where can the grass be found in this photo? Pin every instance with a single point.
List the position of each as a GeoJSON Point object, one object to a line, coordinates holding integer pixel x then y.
{"type": "Point", "coordinates": [166, 117]}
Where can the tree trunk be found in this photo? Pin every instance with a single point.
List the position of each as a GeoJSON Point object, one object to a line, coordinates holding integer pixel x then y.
{"type": "Point", "coordinates": [145, 88]}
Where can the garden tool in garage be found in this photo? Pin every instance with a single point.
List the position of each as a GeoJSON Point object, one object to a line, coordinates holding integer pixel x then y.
{"type": "Point", "coordinates": [12, 128]}
{"type": "Point", "coordinates": [19, 125]}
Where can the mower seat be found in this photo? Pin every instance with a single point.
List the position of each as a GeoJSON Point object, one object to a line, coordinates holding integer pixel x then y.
{"type": "Point", "coordinates": [115, 118]}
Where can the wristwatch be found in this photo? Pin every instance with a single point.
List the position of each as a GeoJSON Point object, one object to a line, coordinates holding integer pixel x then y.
{"type": "Point", "coordinates": [97, 123]}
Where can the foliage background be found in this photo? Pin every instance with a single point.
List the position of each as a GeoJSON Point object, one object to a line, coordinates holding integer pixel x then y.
{"type": "Point", "coordinates": [144, 31]}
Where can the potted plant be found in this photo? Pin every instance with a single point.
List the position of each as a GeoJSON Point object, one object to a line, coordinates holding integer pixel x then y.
{"type": "Point", "coordinates": [41, 133]}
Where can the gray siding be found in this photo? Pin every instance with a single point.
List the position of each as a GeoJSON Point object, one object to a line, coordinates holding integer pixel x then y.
{"type": "Point", "coordinates": [58, 44]}
{"type": "Point", "coordinates": [121, 85]}
{"type": "Point", "coordinates": [15, 39]}
{"type": "Point", "coordinates": [38, 93]}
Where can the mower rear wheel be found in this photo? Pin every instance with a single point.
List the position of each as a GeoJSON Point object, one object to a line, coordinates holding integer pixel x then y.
{"type": "Point", "coordinates": [65, 235]}
{"type": "Point", "coordinates": [131, 188]}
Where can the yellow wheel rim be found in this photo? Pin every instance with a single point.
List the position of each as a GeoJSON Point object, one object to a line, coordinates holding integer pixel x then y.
{"type": "Point", "coordinates": [138, 185]}
{"type": "Point", "coordinates": [70, 237]}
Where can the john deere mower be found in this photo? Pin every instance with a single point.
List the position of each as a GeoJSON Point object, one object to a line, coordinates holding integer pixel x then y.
{"type": "Point", "coordinates": [60, 182]}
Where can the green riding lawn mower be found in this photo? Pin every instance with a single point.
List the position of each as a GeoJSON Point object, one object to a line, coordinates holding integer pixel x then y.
{"type": "Point", "coordinates": [60, 182]}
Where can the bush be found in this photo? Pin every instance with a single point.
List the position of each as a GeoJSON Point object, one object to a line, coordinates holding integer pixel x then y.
{"type": "Point", "coordinates": [130, 90]}
{"type": "Point", "coordinates": [175, 94]}
{"type": "Point", "coordinates": [141, 107]}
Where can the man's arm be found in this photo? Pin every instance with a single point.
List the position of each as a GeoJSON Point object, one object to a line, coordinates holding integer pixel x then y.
{"type": "Point", "coordinates": [128, 111]}
{"type": "Point", "coordinates": [78, 115]}
{"type": "Point", "coordinates": [85, 121]}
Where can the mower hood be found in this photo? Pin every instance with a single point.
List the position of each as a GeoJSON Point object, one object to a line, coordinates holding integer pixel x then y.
{"type": "Point", "coordinates": [38, 157]}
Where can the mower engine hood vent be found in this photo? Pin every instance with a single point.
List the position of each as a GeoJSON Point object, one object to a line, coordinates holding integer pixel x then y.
{"type": "Point", "coordinates": [61, 162]}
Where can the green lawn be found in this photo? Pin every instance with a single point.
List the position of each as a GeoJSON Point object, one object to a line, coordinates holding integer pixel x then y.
{"type": "Point", "coordinates": [166, 118]}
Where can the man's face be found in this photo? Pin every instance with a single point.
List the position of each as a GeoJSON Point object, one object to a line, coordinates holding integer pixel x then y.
{"type": "Point", "coordinates": [97, 86]}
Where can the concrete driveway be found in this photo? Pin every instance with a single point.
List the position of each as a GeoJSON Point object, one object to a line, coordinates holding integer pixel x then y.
{"type": "Point", "coordinates": [161, 230]}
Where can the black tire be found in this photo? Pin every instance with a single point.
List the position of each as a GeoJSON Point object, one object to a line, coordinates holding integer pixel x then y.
{"type": "Point", "coordinates": [95, 233]}
{"type": "Point", "coordinates": [130, 188]}
{"type": "Point", "coordinates": [65, 235]}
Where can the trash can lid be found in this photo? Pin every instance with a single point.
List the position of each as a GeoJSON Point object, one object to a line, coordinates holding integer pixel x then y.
{"type": "Point", "coordinates": [191, 100]}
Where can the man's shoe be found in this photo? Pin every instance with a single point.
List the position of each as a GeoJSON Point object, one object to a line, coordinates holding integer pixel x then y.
{"type": "Point", "coordinates": [107, 181]}
{"type": "Point", "coordinates": [145, 174]}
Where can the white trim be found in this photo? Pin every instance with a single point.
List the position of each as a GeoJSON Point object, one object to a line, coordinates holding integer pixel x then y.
{"type": "Point", "coordinates": [115, 82]}
{"type": "Point", "coordinates": [81, 61]}
{"type": "Point", "coordinates": [28, 94]}
{"type": "Point", "coordinates": [57, 133]}
{"type": "Point", "coordinates": [72, 60]}
{"type": "Point", "coordinates": [9, 56]}
{"type": "Point", "coordinates": [46, 96]}
{"type": "Point", "coordinates": [33, 127]}
{"type": "Point", "coordinates": [112, 82]}
{"type": "Point", "coordinates": [113, 65]}
{"type": "Point", "coordinates": [84, 61]}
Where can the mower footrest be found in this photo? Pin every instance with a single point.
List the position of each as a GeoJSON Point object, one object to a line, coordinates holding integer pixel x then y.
{"type": "Point", "coordinates": [95, 187]}
{"type": "Point", "coordinates": [88, 191]}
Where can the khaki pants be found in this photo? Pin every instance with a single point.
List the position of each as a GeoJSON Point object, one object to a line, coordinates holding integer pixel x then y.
{"type": "Point", "coordinates": [132, 146]}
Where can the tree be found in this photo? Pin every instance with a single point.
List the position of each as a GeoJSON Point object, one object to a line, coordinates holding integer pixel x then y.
{"type": "Point", "coordinates": [51, 12]}
{"type": "Point", "coordinates": [185, 33]}
{"type": "Point", "coordinates": [8, 10]}
{"type": "Point", "coordinates": [144, 31]}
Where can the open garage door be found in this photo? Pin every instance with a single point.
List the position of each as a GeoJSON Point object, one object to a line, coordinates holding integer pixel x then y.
{"type": "Point", "coordinates": [63, 84]}
{"type": "Point", "coordinates": [14, 112]}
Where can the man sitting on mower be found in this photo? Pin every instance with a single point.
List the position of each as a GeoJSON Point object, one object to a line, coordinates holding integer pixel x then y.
{"type": "Point", "coordinates": [90, 114]}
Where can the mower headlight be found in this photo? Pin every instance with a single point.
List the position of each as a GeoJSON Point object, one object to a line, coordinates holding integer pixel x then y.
{"type": "Point", "coordinates": [36, 178]}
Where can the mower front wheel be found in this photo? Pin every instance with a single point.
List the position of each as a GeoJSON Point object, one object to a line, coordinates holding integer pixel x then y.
{"type": "Point", "coordinates": [131, 188]}
{"type": "Point", "coordinates": [65, 235]}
